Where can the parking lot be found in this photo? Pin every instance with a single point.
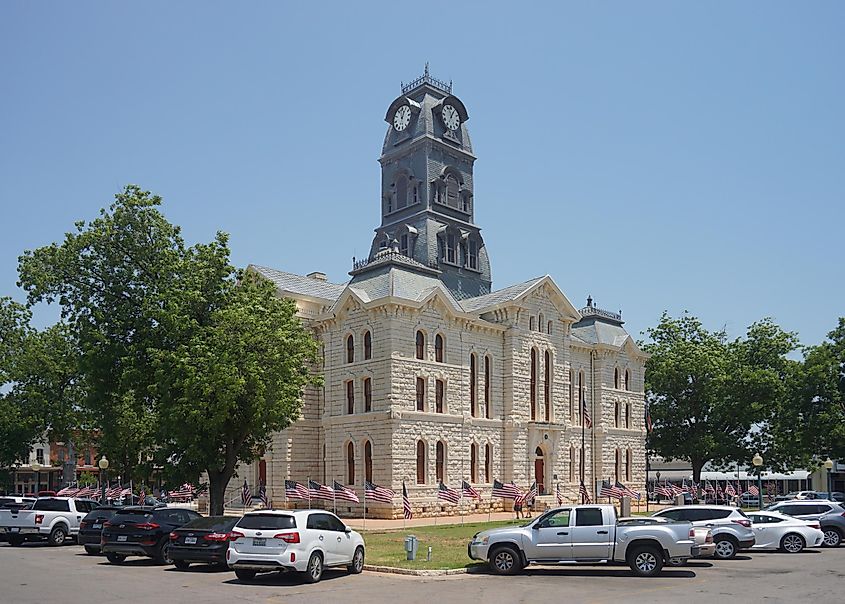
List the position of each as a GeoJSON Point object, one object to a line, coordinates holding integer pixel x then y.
{"type": "Point", "coordinates": [36, 573]}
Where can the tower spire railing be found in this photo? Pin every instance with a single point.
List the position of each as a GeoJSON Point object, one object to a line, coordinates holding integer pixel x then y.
{"type": "Point", "coordinates": [426, 78]}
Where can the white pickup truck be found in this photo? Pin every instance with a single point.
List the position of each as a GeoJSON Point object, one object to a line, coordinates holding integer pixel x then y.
{"type": "Point", "coordinates": [51, 518]}
{"type": "Point", "coordinates": [586, 534]}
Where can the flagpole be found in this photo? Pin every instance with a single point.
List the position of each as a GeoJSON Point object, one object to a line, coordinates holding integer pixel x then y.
{"type": "Point", "coordinates": [460, 505]}
{"type": "Point", "coordinates": [365, 508]}
{"type": "Point", "coordinates": [334, 497]}
{"type": "Point", "coordinates": [308, 485]}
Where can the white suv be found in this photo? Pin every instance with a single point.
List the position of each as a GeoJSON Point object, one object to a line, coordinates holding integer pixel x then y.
{"type": "Point", "coordinates": [303, 540]}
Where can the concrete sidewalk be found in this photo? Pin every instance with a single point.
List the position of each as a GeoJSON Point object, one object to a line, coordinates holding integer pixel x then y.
{"type": "Point", "coordinates": [382, 524]}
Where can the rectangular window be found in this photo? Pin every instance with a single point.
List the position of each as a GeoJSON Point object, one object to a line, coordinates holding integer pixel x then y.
{"type": "Point", "coordinates": [403, 244]}
{"type": "Point", "coordinates": [472, 381]}
{"type": "Point", "coordinates": [487, 404]}
{"type": "Point", "coordinates": [368, 395]}
{"type": "Point", "coordinates": [39, 456]}
{"type": "Point", "coordinates": [488, 463]}
{"type": "Point", "coordinates": [472, 255]}
{"type": "Point", "coordinates": [420, 394]}
{"type": "Point", "coordinates": [440, 395]}
{"type": "Point", "coordinates": [473, 463]}
{"type": "Point", "coordinates": [350, 397]}
{"type": "Point", "coordinates": [451, 249]}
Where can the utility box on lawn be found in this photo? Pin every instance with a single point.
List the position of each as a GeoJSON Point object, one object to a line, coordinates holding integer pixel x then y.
{"type": "Point", "coordinates": [411, 545]}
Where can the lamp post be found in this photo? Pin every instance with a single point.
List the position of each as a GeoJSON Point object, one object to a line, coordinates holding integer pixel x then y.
{"type": "Point", "coordinates": [829, 466]}
{"type": "Point", "coordinates": [758, 464]}
{"type": "Point", "coordinates": [104, 466]}
{"type": "Point", "coordinates": [657, 484]}
{"type": "Point", "coordinates": [36, 467]}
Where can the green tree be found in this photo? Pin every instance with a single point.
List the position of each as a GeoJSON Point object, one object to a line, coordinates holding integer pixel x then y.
{"type": "Point", "coordinates": [707, 395]}
{"type": "Point", "coordinates": [17, 429]}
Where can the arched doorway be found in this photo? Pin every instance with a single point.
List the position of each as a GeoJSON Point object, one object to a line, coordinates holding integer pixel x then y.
{"type": "Point", "coordinates": [540, 470]}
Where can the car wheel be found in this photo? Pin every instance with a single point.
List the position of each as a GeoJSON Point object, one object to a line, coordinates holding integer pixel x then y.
{"type": "Point", "coordinates": [163, 555]}
{"type": "Point", "coordinates": [645, 561]}
{"type": "Point", "coordinates": [91, 551]}
{"type": "Point", "coordinates": [357, 561]}
{"type": "Point", "coordinates": [181, 564]}
{"type": "Point", "coordinates": [115, 558]}
{"type": "Point", "coordinates": [725, 548]}
{"type": "Point", "coordinates": [244, 574]}
{"type": "Point", "coordinates": [792, 543]}
{"type": "Point", "coordinates": [57, 536]}
{"type": "Point", "coordinates": [505, 560]}
{"type": "Point", "coordinates": [16, 541]}
{"type": "Point", "coordinates": [832, 537]}
{"type": "Point", "coordinates": [314, 570]}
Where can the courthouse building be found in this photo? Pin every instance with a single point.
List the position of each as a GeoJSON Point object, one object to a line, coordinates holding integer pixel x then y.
{"type": "Point", "coordinates": [433, 375]}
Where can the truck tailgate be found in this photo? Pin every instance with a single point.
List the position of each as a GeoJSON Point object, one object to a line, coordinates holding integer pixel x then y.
{"type": "Point", "coordinates": [16, 519]}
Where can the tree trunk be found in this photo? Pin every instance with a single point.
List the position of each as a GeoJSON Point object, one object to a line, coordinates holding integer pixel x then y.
{"type": "Point", "coordinates": [697, 465]}
{"type": "Point", "coordinates": [217, 483]}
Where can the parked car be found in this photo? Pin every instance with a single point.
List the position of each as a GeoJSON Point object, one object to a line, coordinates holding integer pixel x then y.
{"type": "Point", "coordinates": [773, 530]}
{"type": "Point", "coordinates": [305, 541]}
{"type": "Point", "coordinates": [730, 526]}
{"type": "Point", "coordinates": [51, 518]}
{"type": "Point", "coordinates": [584, 533]}
{"type": "Point", "coordinates": [831, 517]}
{"type": "Point", "coordinates": [797, 495]}
{"type": "Point", "coordinates": [142, 531]}
{"type": "Point", "coordinates": [747, 500]}
{"type": "Point", "coordinates": [91, 528]}
{"type": "Point", "coordinates": [837, 496]}
{"type": "Point", "coordinates": [703, 537]}
{"type": "Point", "coordinates": [204, 540]}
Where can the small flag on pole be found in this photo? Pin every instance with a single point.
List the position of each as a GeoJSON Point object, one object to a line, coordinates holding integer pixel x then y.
{"type": "Point", "coordinates": [342, 492]}
{"type": "Point", "coordinates": [406, 503]}
{"type": "Point", "coordinates": [468, 491]}
{"type": "Point", "coordinates": [585, 496]}
{"type": "Point", "coordinates": [447, 494]}
{"type": "Point", "coordinates": [246, 495]}
{"type": "Point", "coordinates": [377, 493]}
{"type": "Point", "coordinates": [295, 490]}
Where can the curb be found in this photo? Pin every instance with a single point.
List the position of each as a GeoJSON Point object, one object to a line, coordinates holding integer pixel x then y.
{"type": "Point", "coordinates": [417, 573]}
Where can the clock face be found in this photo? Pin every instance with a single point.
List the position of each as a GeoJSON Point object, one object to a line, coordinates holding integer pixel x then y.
{"type": "Point", "coordinates": [451, 117]}
{"type": "Point", "coordinates": [402, 118]}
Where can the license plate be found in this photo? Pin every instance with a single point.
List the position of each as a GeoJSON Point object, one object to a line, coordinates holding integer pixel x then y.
{"type": "Point", "coordinates": [96, 526]}
{"type": "Point", "coordinates": [14, 529]}
{"type": "Point", "coordinates": [190, 540]}
{"type": "Point", "coordinates": [259, 541]}
{"type": "Point", "coordinates": [121, 537]}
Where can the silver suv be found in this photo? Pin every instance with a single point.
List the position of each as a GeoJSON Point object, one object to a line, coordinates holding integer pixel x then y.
{"type": "Point", "coordinates": [731, 528]}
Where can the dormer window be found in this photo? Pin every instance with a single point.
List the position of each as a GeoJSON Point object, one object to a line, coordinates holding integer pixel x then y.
{"type": "Point", "coordinates": [472, 254]}
{"type": "Point", "coordinates": [403, 244]}
{"type": "Point", "coordinates": [452, 191]}
{"type": "Point", "coordinates": [450, 252]}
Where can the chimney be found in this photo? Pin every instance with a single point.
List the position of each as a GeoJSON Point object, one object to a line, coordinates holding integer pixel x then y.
{"type": "Point", "coordinates": [317, 275]}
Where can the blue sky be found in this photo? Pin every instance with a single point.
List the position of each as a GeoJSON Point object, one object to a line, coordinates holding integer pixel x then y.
{"type": "Point", "coordinates": [657, 155]}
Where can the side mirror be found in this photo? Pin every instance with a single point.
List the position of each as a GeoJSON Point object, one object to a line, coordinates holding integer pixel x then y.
{"type": "Point", "coordinates": [347, 530]}
{"type": "Point", "coordinates": [536, 526]}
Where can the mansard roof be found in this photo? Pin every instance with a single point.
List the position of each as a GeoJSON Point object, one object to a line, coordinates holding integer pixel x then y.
{"type": "Point", "coordinates": [601, 333]}
{"type": "Point", "coordinates": [507, 295]}
{"type": "Point", "coordinates": [299, 285]}
{"type": "Point", "coordinates": [395, 281]}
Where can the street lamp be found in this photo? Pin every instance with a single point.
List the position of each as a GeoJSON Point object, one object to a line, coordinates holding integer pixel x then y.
{"type": "Point", "coordinates": [36, 467]}
{"type": "Point", "coordinates": [758, 463]}
{"type": "Point", "coordinates": [104, 465]}
{"type": "Point", "coordinates": [657, 484]}
{"type": "Point", "coordinates": [828, 466]}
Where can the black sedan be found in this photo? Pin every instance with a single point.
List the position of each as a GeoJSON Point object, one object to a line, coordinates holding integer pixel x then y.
{"type": "Point", "coordinates": [143, 531]}
{"type": "Point", "coordinates": [91, 528]}
{"type": "Point", "coordinates": [203, 540]}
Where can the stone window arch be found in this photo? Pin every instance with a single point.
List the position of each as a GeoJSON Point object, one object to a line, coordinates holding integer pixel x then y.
{"type": "Point", "coordinates": [488, 463]}
{"type": "Point", "coordinates": [627, 380]}
{"type": "Point", "coordinates": [420, 344]}
{"type": "Point", "coordinates": [533, 385]}
{"type": "Point", "coordinates": [473, 462]}
{"type": "Point", "coordinates": [350, 348]}
{"type": "Point", "coordinates": [616, 378]}
{"type": "Point", "coordinates": [421, 462]}
{"type": "Point", "coordinates": [440, 396]}
{"type": "Point", "coordinates": [368, 395]}
{"type": "Point", "coordinates": [439, 348]}
{"type": "Point", "coordinates": [531, 323]}
{"type": "Point", "coordinates": [350, 397]}
{"type": "Point", "coordinates": [616, 420]}
{"type": "Point", "coordinates": [350, 463]}
{"type": "Point", "coordinates": [628, 415]}
{"type": "Point", "coordinates": [440, 461]}
{"type": "Point", "coordinates": [473, 380]}
{"type": "Point", "coordinates": [547, 386]}
{"type": "Point", "coordinates": [488, 370]}
{"type": "Point", "coordinates": [368, 461]}
{"type": "Point", "coordinates": [549, 328]}
{"type": "Point", "coordinates": [368, 345]}
{"type": "Point", "coordinates": [420, 394]}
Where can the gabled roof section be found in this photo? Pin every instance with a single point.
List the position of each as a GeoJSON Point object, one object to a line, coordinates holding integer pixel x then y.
{"type": "Point", "coordinates": [503, 297]}
{"type": "Point", "coordinates": [299, 285]}
{"type": "Point", "coordinates": [392, 281]}
{"type": "Point", "coordinates": [599, 333]}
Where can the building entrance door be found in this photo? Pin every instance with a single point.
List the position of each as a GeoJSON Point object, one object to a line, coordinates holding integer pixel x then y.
{"type": "Point", "coordinates": [540, 471]}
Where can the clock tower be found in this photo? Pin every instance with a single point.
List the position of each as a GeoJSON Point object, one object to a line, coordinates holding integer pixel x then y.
{"type": "Point", "coordinates": [427, 201]}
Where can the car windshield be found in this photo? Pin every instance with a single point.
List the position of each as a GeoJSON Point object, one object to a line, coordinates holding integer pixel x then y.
{"type": "Point", "coordinates": [266, 521]}
{"type": "Point", "coordinates": [52, 505]}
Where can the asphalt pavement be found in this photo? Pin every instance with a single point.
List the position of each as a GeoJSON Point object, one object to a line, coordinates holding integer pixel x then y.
{"type": "Point", "coordinates": [37, 573]}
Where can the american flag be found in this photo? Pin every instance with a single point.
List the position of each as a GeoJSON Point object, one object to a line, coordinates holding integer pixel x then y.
{"type": "Point", "coordinates": [628, 491]}
{"type": "Point", "coordinates": [406, 503]}
{"type": "Point", "coordinates": [65, 492]}
{"type": "Point", "coordinates": [468, 491]}
{"type": "Point", "coordinates": [505, 491]}
{"type": "Point", "coordinates": [585, 496]}
{"type": "Point", "coordinates": [648, 425]}
{"type": "Point", "coordinates": [719, 492]}
{"type": "Point", "coordinates": [142, 496]}
{"type": "Point", "coordinates": [86, 492]}
{"type": "Point", "coordinates": [708, 488]}
{"type": "Point", "coordinates": [295, 490]}
{"type": "Point", "coordinates": [447, 494]}
{"type": "Point", "coordinates": [588, 421]}
{"type": "Point", "coordinates": [771, 490]}
{"type": "Point", "coordinates": [530, 494]}
{"type": "Point", "coordinates": [114, 492]}
{"type": "Point", "coordinates": [608, 490]}
{"type": "Point", "coordinates": [377, 493]}
{"type": "Point", "coordinates": [341, 492]}
{"type": "Point", "coordinates": [558, 494]}
{"type": "Point", "coordinates": [676, 490]}
{"type": "Point", "coordinates": [753, 490]}
{"type": "Point", "coordinates": [246, 495]}
{"type": "Point", "coordinates": [185, 492]}
{"type": "Point", "coordinates": [319, 491]}
{"type": "Point", "coordinates": [729, 490]}
{"type": "Point", "coordinates": [664, 490]}
{"type": "Point", "coordinates": [262, 495]}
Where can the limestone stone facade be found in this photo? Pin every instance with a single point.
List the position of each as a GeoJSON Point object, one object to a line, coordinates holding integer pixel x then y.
{"type": "Point", "coordinates": [429, 375]}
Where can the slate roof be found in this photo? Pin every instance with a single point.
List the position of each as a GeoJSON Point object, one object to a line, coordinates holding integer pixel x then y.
{"type": "Point", "coordinates": [599, 332]}
{"type": "Point", "coordinates": [506, 294]}
{"type": "Point", "coordinates": [297, 284]}
{"type": "Point", "coordinates": [393, 280]}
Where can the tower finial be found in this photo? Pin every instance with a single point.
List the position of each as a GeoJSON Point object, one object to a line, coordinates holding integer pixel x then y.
{"type": "Point", "coordinates": [426, 68]}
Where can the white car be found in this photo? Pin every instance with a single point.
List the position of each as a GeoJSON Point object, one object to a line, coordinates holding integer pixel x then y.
{"type": "Point", "coordinates": [304, 541]}
{"type": "Point", "coordinates": [774, 530]}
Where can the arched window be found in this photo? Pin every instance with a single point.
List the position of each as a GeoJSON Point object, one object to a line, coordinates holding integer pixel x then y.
{"type": "Point", "coordinates": [571, 397]}
{"type": "Point", "coordinates": [401, 191]}
{"type": "Point", "coordinates": [440, 396]}
{"type": "Point", "coordinates": [549, 328]}
{"type": "Point", "coordinates": [438, 348]}
{"type": "Point", "coordinates": [452, 191]}
{"type": "Point", "coordinates": [350, 463]}
{"type": "Point", "coordinates": [533, 385]}
{"type": "Point", "coordinates": [616, 421]}
{"type": "Point", "coordinates": [571, 464]}
{"type": "Point", "coordinates": [473, 462]}
{"type": "Point", "coordinates": [616, 378]}
{"type": "Point", "coordinates": [627, 380]}
{"type": "Point", "coordinates": [531, 324]}
{"type": "Point", "coordinates": [368, 461]}
{"type": "Point", "coordinates": [368, 395]}
{"type": "Point", "coordinates": [628, 415]}
{"type": "Point", "coordinates": [473, 402]}
{"type": "Point", "coordinates": [488, 407]}
{"type": "Point", "coordinates": [368, 346]}
{"type": "Point", "coordinates": [420, 462]}
{"type": "Point", "coordinates": [547, 378]}
{"type": "Point", "coordinates": [420, 394]}
{"type": "Point", "coordinates": [440, 462]}
{"type": "Point", "coordinates": [350, 349]}
{"type": "Point", "coordinates": [420, 345]}
{"type": "Point", "coordinates": [628, 458]}
{"type": "Point", "coordinates": [618, 465]}
{"type": "Point", "coordinates": [350, 397]}
{"type": "Point", "coordinates": [540, 323]}
{"type": "Point", "coordinates": [488, 463]}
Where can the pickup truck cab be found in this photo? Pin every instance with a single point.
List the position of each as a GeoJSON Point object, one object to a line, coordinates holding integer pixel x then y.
{"type": "Point", "coordinates": [51, 518]}
{"type": "Point", "coordinates": [587, 534]}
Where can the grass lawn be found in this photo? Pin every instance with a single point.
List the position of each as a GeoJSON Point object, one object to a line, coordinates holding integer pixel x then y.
{"type": "Point", "coordinates": [448, 543]}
